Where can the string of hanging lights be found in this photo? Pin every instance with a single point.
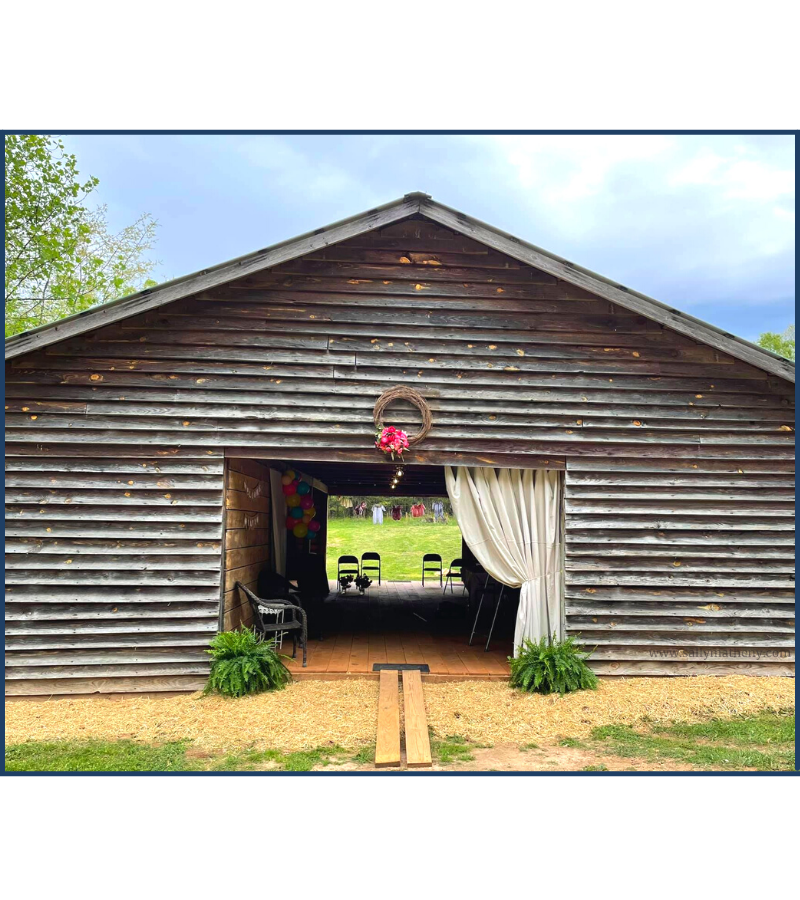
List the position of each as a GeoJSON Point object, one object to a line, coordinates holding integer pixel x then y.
{"type": "Point", "coordinates": [397, 476]}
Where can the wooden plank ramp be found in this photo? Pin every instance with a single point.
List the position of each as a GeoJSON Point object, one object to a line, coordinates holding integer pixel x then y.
{"type": "Point", "coordinates": [418, 745]}
{"type": "Point", "coordinates": [387, 746]}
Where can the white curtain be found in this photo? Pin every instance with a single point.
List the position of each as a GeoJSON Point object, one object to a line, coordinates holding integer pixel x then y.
{"type": "Point", "coordinates": [511, 521]}
{"type": "Point", "coordinates": [278, 522]}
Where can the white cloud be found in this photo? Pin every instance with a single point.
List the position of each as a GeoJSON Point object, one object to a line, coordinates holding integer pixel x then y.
{"type": "Point", "coordinates": [659, 212]}
{"type": "Point", "coordinates": [738, 177]}
{"type": "Point", "coordinates": [291, 168]}
{"type": "Point", "coordinates": [753, 180]}
{"type": "Point", "coordinates": [701, 169]}
{"type": "Point", "coordinates": [584, 162]}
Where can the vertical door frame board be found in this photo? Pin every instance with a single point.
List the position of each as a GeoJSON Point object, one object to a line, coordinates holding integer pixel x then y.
{"type": "Point", "coordinates": [563, 554]}
{"type": "Point", "coordinates": [222, 546]}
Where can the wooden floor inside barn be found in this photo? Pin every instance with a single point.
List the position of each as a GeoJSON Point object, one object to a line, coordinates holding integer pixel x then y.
{"type": "Point", "coordinates": [403, 622]}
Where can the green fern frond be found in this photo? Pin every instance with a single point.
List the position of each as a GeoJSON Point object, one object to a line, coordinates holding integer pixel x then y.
{"type": "Point", "coordinates": [242, 663]}
{"type": "Point", "coordinates": [549, 667]}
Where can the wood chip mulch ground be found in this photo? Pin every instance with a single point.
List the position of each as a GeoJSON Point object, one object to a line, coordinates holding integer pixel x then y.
{"type": "Point", "coordinates": [311, 714]}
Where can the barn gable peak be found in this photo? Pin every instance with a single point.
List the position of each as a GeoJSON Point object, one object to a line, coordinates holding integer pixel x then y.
{"type": "Point", "coordinates": [415, 204]}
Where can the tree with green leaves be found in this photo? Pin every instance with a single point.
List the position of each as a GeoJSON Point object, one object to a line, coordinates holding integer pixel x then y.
{"type": "Point", "coordinates": [782, 344]}
{"type": "Point", "coordinates": [60, 256]}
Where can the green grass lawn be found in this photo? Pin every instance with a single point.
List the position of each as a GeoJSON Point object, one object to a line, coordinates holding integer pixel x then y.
{"type": "Point", "coordinates": [95, 756]}
{"type": "Point", "coordinates": [130, 756]}
{"type": "Point", "coordinates": [401, 544]}
{"type": "Point", "coordinates": [764, 742]}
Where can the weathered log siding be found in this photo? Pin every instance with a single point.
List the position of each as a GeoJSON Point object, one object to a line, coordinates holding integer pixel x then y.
{"type": "Point", "coordinates": [520, 369]}
{"type": "Point", "coordinates": [112, 567]}
{"type": "Point", "coordinates": [675, 566]}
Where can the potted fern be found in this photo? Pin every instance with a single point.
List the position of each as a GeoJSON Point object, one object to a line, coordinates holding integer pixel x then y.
{"type": "Point", "coordinates": [550, 666]}
{"type": "Point", "coordinates": [242, 663]}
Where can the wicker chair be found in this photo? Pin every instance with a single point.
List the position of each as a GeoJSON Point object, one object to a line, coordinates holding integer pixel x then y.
{"type": "Point", "coordinates": [294, 620]}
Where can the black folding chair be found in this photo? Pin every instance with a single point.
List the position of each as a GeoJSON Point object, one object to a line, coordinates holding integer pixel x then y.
{"type": "Point", "coordinates": [435, 566]}
{"type": "Point", "coordinates": [493, 589]}
{"type": "Point", "coordinates": [370, 557]}
{"type": "Point", "coordinates": [294, 619]}
{"type": "Point", "coordinates": [348, 565]}
{"type": "Point", "coordinates": [453, 572]}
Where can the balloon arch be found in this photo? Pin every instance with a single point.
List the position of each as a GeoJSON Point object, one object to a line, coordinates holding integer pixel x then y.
{"type": "Point", "coordinates": [301, 520]}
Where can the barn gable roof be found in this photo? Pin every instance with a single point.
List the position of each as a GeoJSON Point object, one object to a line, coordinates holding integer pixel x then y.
{"type": "Point", "coordinates": [411, 205]}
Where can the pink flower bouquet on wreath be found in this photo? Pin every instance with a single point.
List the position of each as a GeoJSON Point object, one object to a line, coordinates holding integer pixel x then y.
{"type": "Point", "coordinates": [392, 440]}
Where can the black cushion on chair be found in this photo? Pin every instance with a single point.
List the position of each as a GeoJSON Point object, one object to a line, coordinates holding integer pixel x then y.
{"type": "Point", "coordinates": [312, 582]}
{"type": "Point", "coordinates": [271, 584]}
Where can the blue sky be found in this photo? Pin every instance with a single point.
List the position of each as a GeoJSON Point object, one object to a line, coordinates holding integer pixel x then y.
{"type": "Point", "coordinates": [705, 224]}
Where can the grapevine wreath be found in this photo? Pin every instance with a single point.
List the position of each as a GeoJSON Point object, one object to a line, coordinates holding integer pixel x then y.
{"type": "Point", "coordinates": [393, 440]}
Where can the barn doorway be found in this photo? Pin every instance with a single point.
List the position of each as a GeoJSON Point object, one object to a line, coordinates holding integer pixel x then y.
{"type": "Point", "coordinates": [445, 624]}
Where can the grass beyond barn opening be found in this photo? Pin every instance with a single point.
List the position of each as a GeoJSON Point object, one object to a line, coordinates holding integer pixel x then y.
{"type": "Point", "coordinates": [401, 544]}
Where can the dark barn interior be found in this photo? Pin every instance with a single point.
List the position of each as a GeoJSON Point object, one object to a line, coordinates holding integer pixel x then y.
{"type": "Point", "coordinates": [400, 622]}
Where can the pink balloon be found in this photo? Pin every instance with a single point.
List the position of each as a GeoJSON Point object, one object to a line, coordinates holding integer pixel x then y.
{"type": "Point", "coordinates": [307, 502]}
{"type": "Point", "coordinates": [314, 526]}
{"type": "Point", "coordinates": [289, 489]}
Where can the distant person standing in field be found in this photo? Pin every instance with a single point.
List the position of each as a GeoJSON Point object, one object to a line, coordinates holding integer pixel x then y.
{"type": "Point", "coordinates": [438, 511]}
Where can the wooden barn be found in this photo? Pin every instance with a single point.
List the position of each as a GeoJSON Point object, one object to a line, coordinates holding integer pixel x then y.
{"type": "Point", "coordinates": [144, 435]}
